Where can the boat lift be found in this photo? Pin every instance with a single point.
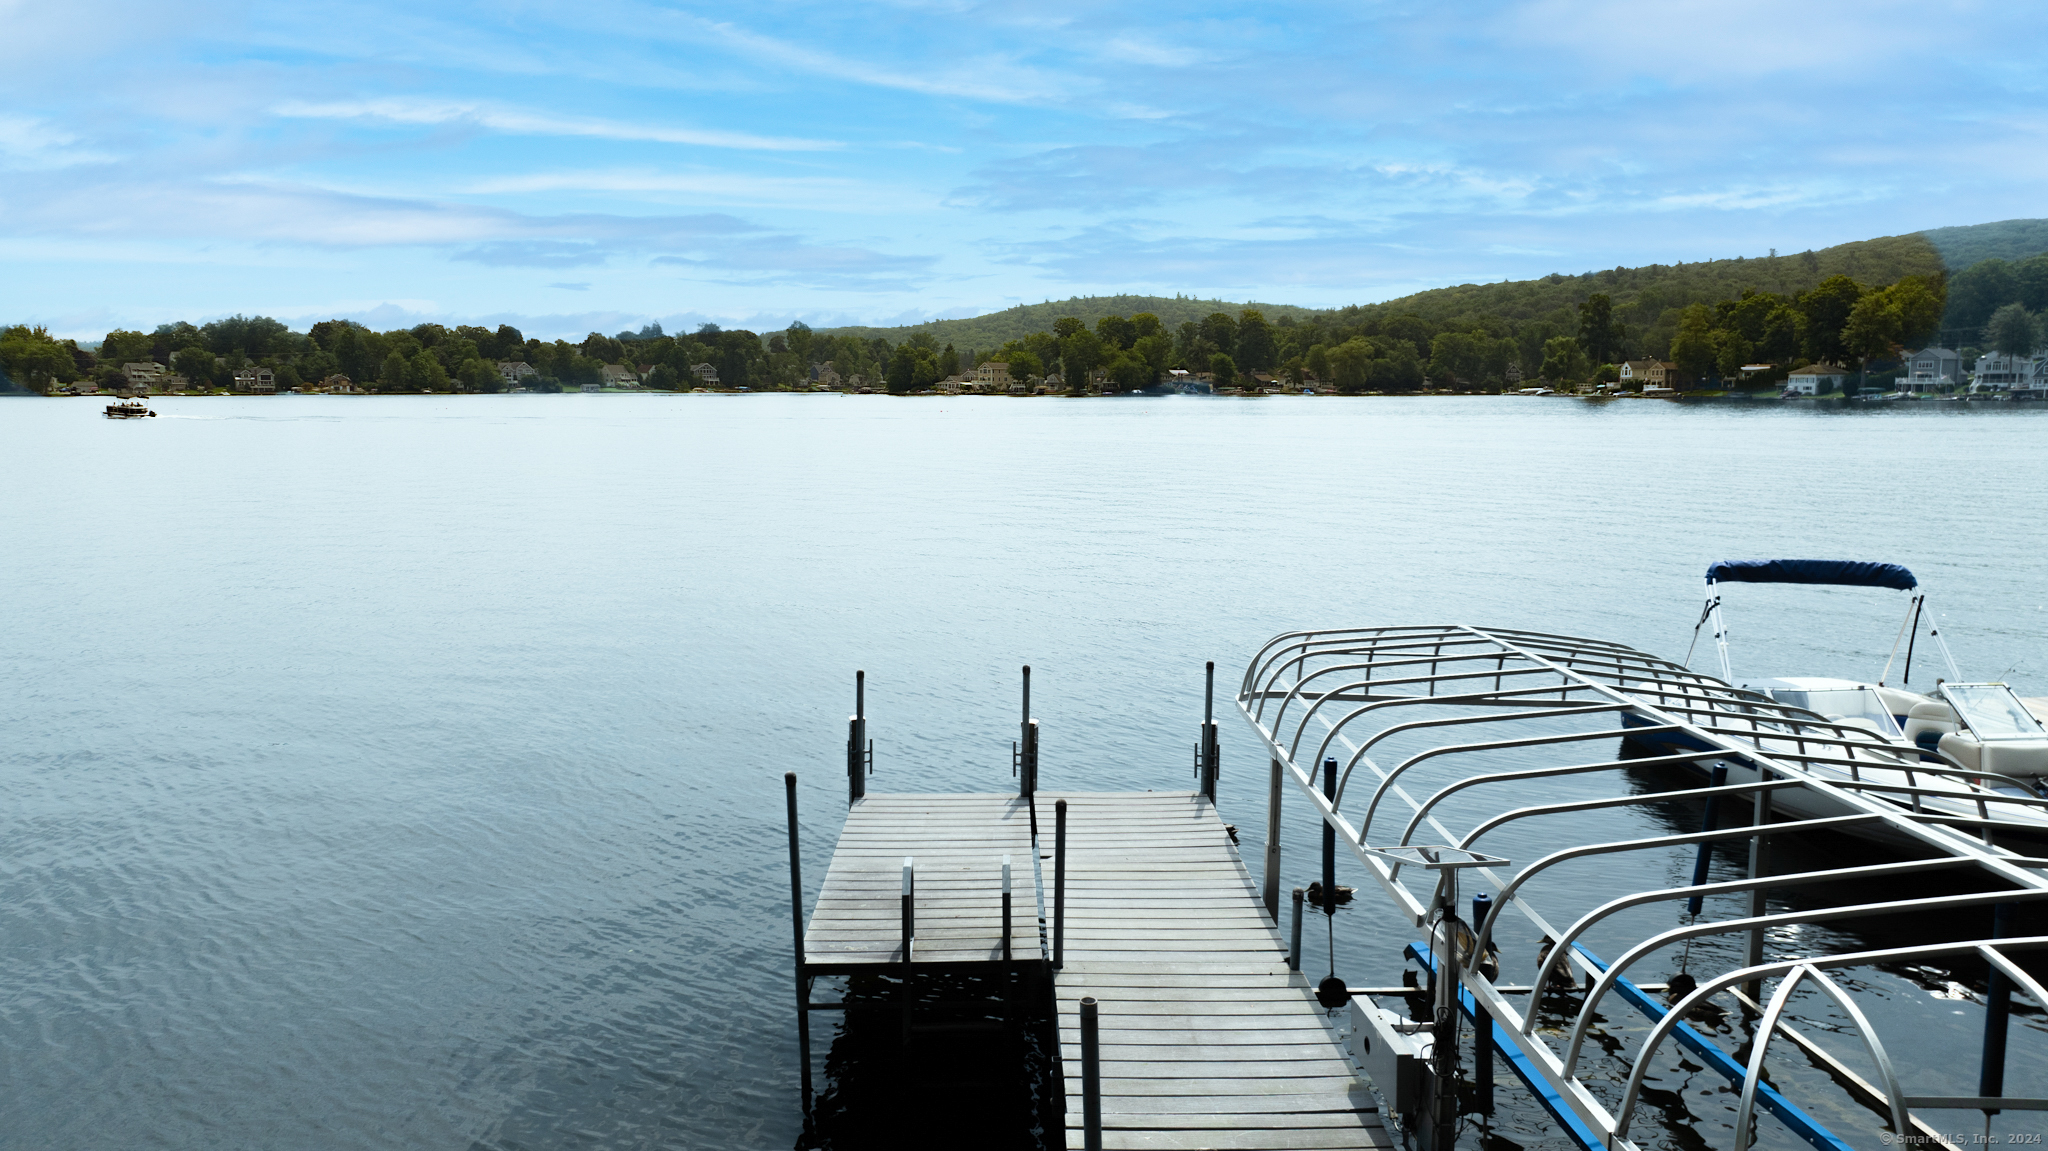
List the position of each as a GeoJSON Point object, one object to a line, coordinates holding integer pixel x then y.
{"type": "Point", "coordinates": [1473, 711]}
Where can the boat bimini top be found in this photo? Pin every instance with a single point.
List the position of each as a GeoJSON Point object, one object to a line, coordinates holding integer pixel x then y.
{"type": "Point", "coordinates": [1841, 573]}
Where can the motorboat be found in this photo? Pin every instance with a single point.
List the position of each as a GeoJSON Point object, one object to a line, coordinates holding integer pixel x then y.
{"type": "Point", "coordinates": [1977, 724]}
{"type": "Point", "coordinates": [1952, 753]}
{"type": "Point", "coordinates": [128, 410]}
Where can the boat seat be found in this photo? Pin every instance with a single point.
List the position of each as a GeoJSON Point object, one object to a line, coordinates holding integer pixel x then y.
{"type": "Point", "coordinates": [1927, 722]}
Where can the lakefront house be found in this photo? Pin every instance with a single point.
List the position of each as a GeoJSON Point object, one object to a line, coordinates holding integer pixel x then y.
{"type": "Point", "coordinates": [1931, 370]}
{"type": "Point", "coordinates": [1651, 374]}
{"type": "Point", "coordinates": [1814, 380]}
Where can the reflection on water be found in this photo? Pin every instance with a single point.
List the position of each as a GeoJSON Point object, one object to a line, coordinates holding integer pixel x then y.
{"type": "Point", "coordinates": [407, 770]}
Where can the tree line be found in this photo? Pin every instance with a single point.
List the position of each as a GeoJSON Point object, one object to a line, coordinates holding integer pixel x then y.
{"type": "Point", "coordinates": [1838, 320]}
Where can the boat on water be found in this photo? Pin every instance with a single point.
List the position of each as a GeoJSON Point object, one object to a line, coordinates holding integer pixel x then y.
{"type": "Point", "coordinates": [1974, 751]}
{"type": "Point", "coordinates": [128, 410]}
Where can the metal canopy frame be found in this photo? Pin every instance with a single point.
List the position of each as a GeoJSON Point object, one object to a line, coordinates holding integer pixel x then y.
{"type": "Point", "coordinates": [1331, 697]}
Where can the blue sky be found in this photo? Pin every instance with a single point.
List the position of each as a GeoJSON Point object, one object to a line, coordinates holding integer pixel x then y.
{"type": "Point", "coordinates": [570, 166]}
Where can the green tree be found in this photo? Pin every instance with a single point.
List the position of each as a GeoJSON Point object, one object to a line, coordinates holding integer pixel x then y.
{"type": "Point", "coordinates": [2010, 331]}
{"type": "Point", "coordinates": [1348, 365]}
{"type": "Point", "coordinates": [1128, 372]}
{"type": "Point", "coordinates": [1826, 307]}
{"type": "Point", "coordinates": [1220, 331]}
{"type": "Point", "coordinates": [1318, 363]}
{"type": "Point", "coordinates": [1255, 346]}
{"type": "Point", "coordinates": [32, 359]}
{"type": "Point", "coordinates": [1693, 349]}
{"type": "Point", "coordinates": [200, 367]}
{"type": "Point", "coordinates": [1145, 325]}
{"type": "Point", "coordinates": [1597, 333]}
{"type": "Point", "coordinates": [1564, 361]}
{"type": "Point", "coordinates": [479, 375]}
{"type": "Point", "coordinates": [949, 363]}
{"type": "Point", "coordinates": [1117, 333]}
{"type": "Point", "coordinates": [1066, 326]}
{"type": "Point", "coordinates": [1731, 351]}
{"type": "Point", "coordinates": [391, 377]}
{"type": "Point", "coordinates": [124, 347]}
{"type": "Point", "coordinates": [1082, 351]}
{"type": "Point", "coordinates": [1223, 369]}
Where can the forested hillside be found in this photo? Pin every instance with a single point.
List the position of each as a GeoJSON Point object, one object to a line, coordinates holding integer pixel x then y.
{"type": "Point", "coordinates": [999, 328]}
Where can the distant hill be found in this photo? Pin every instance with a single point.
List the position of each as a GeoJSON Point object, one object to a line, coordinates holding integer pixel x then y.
{"type": "Point", "coordinates": [2005, 240]}
{"type": "Point", "coordinates": [1643, 296]}
{"type": "Point", "coordinates": [1645, 292]}
{"type": "Point", "coordinates": [996, 328]}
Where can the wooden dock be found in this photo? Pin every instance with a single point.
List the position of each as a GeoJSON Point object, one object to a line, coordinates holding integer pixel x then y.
{"type": "Point", "coordinates": [957, 844]}
{"type": "Point", "coordinates": [1207, 1039]}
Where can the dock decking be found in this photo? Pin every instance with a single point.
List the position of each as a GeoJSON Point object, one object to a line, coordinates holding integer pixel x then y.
{"type": "Point", "coordinates": [958, 843]}
{"type": "Point", "coordinates": [1207, 1039]}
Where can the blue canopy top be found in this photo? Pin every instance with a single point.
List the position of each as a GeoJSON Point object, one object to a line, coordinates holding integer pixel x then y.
{"type": "Point", "coordinates": [1856, 573]}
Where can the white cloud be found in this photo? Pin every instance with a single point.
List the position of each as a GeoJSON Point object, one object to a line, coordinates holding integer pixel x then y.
{"type": "Point", "coordinates": [26, 142]}
{"type": "Point", "coordinates": [817, 193]}
{"type": "Point", "coordinates": [520, 122]}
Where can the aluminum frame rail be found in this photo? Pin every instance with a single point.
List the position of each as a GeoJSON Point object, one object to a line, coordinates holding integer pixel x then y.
{"type": "Point", "coordinates": [1330, 697]}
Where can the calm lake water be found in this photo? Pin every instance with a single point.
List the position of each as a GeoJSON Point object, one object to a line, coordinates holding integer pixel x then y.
{"type": "Point", "coordinates": [406, 771]}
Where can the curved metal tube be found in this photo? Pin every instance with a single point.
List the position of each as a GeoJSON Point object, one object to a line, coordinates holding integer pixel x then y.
{"type": "Point", "coordinates": [1472, 836]}
{"type": "Point", "coordinates": [1723, 927]}
{"type": "Point", "coordinates": [1422, 812]}
{"type": "Point", "coordinates": [1491, 745]}
{"type": "Point", "coordinates": [1767, 1030]}
{"type": "Point", "coordinates": [1720, 983]}
{"type": "Point", "coordinates": [1323, 748]}
{"type": "Point", "coordinates": [1790, 879]}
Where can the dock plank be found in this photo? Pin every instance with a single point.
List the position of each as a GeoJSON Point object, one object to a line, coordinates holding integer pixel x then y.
{"type": "Point", "coordinates": [1207, 1039]}
{"type": "Point", "coordinates": [957, 843]}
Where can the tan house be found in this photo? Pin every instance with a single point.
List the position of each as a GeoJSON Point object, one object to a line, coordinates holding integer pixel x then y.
{"type": "Point", "coordinates": [1649, 374]}
{"type": "Point", "coordinates": [256, 381]}
{"type": "Point", "coordinates": [619, 376]}
{"type": "Point", "coordinates": [705, 373]}
{"type": "Point", "coordinates": [514, 371]}
{"type": "Point", "coordinates": [143, 376]}
{"type": "Point", "coordinates": [993, 376]}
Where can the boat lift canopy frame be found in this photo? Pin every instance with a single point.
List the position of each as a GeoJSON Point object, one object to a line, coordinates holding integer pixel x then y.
{"type": "Point", "coordinates": [1316, 696]}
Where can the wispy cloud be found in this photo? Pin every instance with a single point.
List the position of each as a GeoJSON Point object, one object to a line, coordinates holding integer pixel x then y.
{"type": "Point", "coordinates": [580, 286]}
{"type": "Point", "coordinates": [522, 122]}
{"type": "Point", "coordinates": [27, 142]}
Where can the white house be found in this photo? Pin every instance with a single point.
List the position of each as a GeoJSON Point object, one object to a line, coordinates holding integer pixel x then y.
{"type": "Point", "coordinates": [1996, 373]}
{"type": "Point", "coordinates": [1814, 380]}
{"type": "Point", "coordinates": [1931, 370]}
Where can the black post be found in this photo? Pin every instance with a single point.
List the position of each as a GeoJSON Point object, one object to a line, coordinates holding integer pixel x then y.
{"type": "Point", "coordinates": [909, 905]}
{"type": "Point", "coordinates": [1209, 742]}
{"type": "Point", "coordinates": [1294, 952]}
{"type": "Point", "coordinates": [1699, 865]}
{"type": "Point", "coordinates": [857, 741]}
{"type": "Point", "coordinates": [1997, 1002]}
{"type": "Point", "coordinates": [796, 919]}
{"type": "Point", "coordinates": [1330, 840]}
{"type": "Point", "coordinates": [1027, 739]}
{"type": "Point", "coordinates": [1482, 1020]}
{"type": "Point", "coordinates": [1091, 1077]}
{"type": "Point", "coordinates": [1006, 909]}
{"type": "Point", "coordinates": [1059, 884]}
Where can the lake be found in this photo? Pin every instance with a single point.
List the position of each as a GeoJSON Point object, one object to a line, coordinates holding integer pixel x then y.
{"type": "Point", "coordinates": [406, 771]}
